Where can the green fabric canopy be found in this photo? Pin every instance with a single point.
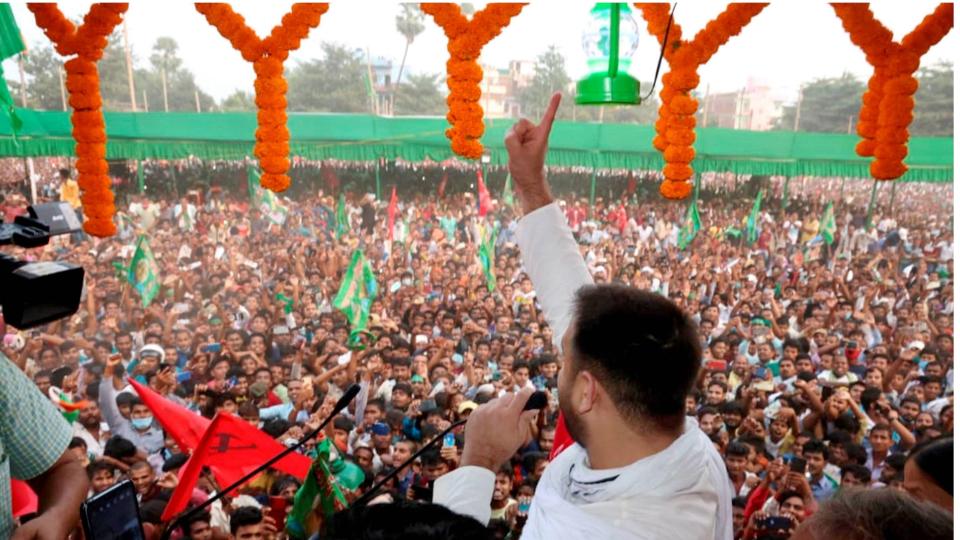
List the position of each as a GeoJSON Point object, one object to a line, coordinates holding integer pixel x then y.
{"type": "Point", "coordinates": [316, 136]}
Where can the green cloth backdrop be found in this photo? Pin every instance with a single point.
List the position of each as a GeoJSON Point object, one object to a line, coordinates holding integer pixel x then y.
{"type": "Point", "coordinates": [316, 136]}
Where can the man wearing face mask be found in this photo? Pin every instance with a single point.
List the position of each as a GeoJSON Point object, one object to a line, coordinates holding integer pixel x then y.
{"type": "Point", "coordinates": [140, 429]}
{"type": "Point", "coordinates": [639, 467]}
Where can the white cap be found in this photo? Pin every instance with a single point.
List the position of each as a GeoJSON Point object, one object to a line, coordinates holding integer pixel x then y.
{"type": "Point", "coordinates": [151, 348]}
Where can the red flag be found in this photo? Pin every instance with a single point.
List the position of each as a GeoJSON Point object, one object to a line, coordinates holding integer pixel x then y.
{"type": "Point", "coordinates": [231, 448]}
{"type": "Point", "coordinates": [22, 497]}
{"type": "Point", "coordinates": [443, 186]}
{"type": "Point", "coordinates": [391, 213]}
{"type": "Point", "coordinates": [561, 439]}
{"type": "Point", "coordinates": [631, 185]}
{"type": "Point", "coordinates": [483, 196]}
{"type": "Point", "coordinates": [184, 426]}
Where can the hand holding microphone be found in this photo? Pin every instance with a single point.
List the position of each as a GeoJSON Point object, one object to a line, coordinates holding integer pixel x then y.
{"type": "Point", "coordinates": [496, 429]}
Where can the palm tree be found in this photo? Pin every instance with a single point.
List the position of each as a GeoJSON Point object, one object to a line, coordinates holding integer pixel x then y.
{"type": "Point", "coordinates": [410, 24]}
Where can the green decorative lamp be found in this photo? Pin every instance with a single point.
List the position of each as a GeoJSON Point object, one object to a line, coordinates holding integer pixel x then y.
{"type": "Point", "coordinates": [609, 41]}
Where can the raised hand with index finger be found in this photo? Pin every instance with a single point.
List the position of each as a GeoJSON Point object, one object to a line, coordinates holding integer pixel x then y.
{"type": "Point", "coordinates": [526, 145]}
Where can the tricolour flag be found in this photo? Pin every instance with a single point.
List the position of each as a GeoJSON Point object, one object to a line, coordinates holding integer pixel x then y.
{"type": "Point", "coordinates": [828, 225]}
{"type": "Point", "coordinates": [343, 223]}
{"type": "Point", "coordinates": [144, 273]}
{"type": "Point", "coordinates": [508, 192]}
{"type": "Point", "coordinates": [264, 199]}
{"type": "Point", "coordinates": [391, 214]}
{"type": "Point", "coordinates": [487, 253]}
{"type": "Point", "coordinates": [751, 229]}
{"type": "Point", "coordinates": [691, 226]}
{"type": "Point", "coordinates": [357, 292]}
{"type": "Point", "coordinates": [483, 196]}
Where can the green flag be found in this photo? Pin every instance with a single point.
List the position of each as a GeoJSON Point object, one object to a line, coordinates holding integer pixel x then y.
{"type": "Point", "coordinates": [320, 488]}
{"type": "Point", "coordinates": [265, 200]}
{"type": "Point", "coordinates": [751, 229]}
{"type": "Point", "coordinates": [11, 43]}
{"type": "Point", "coordinates": [343, 223]}
{"type": "Point", "coordinates": [508, 192]}
{"type": "Point", "coordinates": [144, 273]}
{"type": "Point", "coordinates": [488, 253]}
{"type": "Point", "coordinates": [691, 225]}
{"type": "Point", "coordinates": [828, 225]}
{"type": "Point", "coordinates": [357, 292]}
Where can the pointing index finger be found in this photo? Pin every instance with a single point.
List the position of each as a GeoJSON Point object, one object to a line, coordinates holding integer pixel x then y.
{"type": "Point", "coordinates": [548, 116]}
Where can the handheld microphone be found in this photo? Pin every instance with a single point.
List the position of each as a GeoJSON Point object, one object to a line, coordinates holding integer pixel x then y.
{"type": "Point", "coordinates": [536, 401]}
{"type": "Point", "coordinates": [341, 405]}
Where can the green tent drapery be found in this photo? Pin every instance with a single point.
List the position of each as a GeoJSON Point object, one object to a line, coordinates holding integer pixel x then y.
{"type": "Point", "coordinates": [317, 136]}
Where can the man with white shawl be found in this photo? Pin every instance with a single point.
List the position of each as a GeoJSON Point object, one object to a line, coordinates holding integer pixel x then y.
{"type": "Point", "coordinates": [639, 469]}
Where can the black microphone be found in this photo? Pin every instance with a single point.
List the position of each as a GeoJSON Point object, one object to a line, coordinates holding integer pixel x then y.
{"type": "Point", "coordinates": [536, 401]}
{"type": "Point", "coordinates": [341, 404]}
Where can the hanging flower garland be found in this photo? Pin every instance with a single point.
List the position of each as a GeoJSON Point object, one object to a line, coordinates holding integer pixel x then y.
{"type": "Point", "coordinates": [677, 115]}
{"type": "Point", "coordinates": [272, 145]}
{"type": "Point", "coordinates": [466, 39]}
{"type": "Point", "coordinates": [887, 110]}
{"type": "Point", "coordinates": [83, 84]}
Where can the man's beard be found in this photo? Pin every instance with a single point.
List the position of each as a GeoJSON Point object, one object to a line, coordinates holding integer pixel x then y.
{"type": "Point", "coordinates": [574, 424]}
{"type": "Point", "coordinates": [91, 422]}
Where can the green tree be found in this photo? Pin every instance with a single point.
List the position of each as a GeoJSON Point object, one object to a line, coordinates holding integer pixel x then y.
{"type": "Point", "coordinates": [420, 95]}
{"type": "Point", "coordinates": [550, 75]}
{"type": "Point", "coordinates": [114, 87]}
{"type": "Point", "coordinates": [335, 83]}
{"type": "Point", "coordinates": [40, 66]}
{"type": "Point", "coordinates": [239, 101]}
{"type": "Point", "coordinates": [933, 112]}
{"type": "Point", "coordinates": [167, 72]}
{"type": "Point", "coordinates": [410, 25]}
{"type": "Point", "coordinates": [829, 105]}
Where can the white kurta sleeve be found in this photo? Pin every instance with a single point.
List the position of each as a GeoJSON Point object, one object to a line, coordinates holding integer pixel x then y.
{"type": "Point", "coordinates": [553, 261]}
{"type": "Point", "coordinates": [467, 490]}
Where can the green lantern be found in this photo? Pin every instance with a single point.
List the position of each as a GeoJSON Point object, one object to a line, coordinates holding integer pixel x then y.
{"type": "Point", "coordinates": [609, 42]}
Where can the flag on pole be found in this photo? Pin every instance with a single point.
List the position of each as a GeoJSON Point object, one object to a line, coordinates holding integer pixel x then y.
{"type": "Point", "coordinates": [691, 225]}
{"type": "Point", "coordinates": [442, 188]}
{"type": "Point", "coordinates": [321, 488]}
{"type": "Point", "coordinates": [357, 292]}
{"type": "Point", "coordinates": [508, 192]}
{"type": "Point", "coordinates": [232, 448]}
{"type": "Point", "coordinates": [487, 253]}
{"type": "Point", "coordinates": [391, 214]}
{"type": "Point", "coordinates": [751, 228]}
{"type": "Point", "coordinates": [828, 225]}
{"type": "Point", "coordinates": [265, 200]}
{"type": "Point", "coordinates": [144, 272]}
{"type": "Point", "coordinates": [343, 223]}
{"type": "Point", "coordinates": [483, 196]}
{"type": "Point", "coordinates": [185, 426]}
{"type": "Point", "coordinates": [11, 44]}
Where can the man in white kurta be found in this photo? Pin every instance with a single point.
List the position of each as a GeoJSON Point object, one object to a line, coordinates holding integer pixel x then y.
{"type": "Point", "coordinates": [675, 488]}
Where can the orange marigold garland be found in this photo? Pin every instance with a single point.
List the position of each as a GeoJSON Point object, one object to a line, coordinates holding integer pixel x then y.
{"type": "Point", "coordinates": [466, 39]}
{"type": "Point", "coordinates": [675, 127]}
{"type": "Point", "coordinates": [887, 110]}
{"type": "Point", "coordinates": [83, 84]}
{"type": "Point", "coordinates": [267, 55]}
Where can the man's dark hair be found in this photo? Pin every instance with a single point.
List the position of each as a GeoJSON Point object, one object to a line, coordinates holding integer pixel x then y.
{"type": "Point", "coordinates": [860, 472]}
{"type": "Point", "coordinates": [100, 465]}
{"type": "Point", "coordinates": [935, 459]}
{"type": "Point", "coordinates": [877, 514]}
{"type": "Point", "coordinates": [737, 448]}
{"type": "Point", "coordinates": [275, 427]}
{"type": "Point", "coordinates": [118, 448]}
{"type": "Point", "coordinates": [869, 397]}
{"type": "Point", "coordinates": [856, 453]}
{"type": "Point", "coordinates": [739, 502]}
{"type": "Point", "coordinates": [896, 461]}
{"type": "Point", "coordinates": [404, 519]}
{"type": "Point", "coordinates": [56, 378]}
{"type": "Point", "coordinates": [641, 347]}
{"type": "Point", "coordinates": [816, 447]}
{"type": "Point", "coordinates": [201, 517]}
{"type": "Point", "coordinates": [431, 458]}
{"type": "Point", "coordinates": [77, 442]}
{"type": "Point", "coordinates": [733, 407]}
{"type": "Point", "coordinates": [243, 517]}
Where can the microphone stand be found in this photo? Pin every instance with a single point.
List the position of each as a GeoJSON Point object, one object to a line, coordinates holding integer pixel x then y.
{"type": "Point", "coordinates": [372, 492]}
{"type": "Point", "coordinates": [341, 404]}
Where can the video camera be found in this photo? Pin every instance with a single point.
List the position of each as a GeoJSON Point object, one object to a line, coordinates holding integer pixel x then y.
{"type": "Point", "coordinates": [35, 293]}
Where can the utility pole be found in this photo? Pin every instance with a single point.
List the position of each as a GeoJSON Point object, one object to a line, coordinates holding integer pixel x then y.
{"type": "Point", "coordinates": [23, 82]}
{"type": "Point", "coordinates": [63, 89]}
{"type": "Point", "coordinates": [196, 98]}
{"type": "Point", "coordinates": [146, 104]}
{"type": "Point", "coordinates": [849, 125]}
{"type": "Point", "coordinates": [163, 79]}
{"type": "Point", "coordinates": [706, 105]}
{"type": "Point", "coordinates": [796, 114]}
{"type": "Point", "coordinates": [129, 56]}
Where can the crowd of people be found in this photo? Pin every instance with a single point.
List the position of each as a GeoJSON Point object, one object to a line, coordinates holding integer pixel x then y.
{"type": "Point", "coordinates": [826, 367]}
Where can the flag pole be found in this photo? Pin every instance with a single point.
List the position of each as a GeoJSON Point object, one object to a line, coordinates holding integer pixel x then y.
{"type": "Point", "coordinates": [783, 197]}
{"type": "Point", "coordinates": [873, 200]}
{"type": "Point", "coordinates": [376, 173]}
{"type": "Point", "coordinates": [593, 189]}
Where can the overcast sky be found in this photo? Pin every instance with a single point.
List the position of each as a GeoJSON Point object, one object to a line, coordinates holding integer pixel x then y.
{"type": "Point", "coordinates": [785, 45]}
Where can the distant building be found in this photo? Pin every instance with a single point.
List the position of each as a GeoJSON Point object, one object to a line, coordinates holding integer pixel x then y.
{"type": "Point", "coordinates": [752, 108]}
